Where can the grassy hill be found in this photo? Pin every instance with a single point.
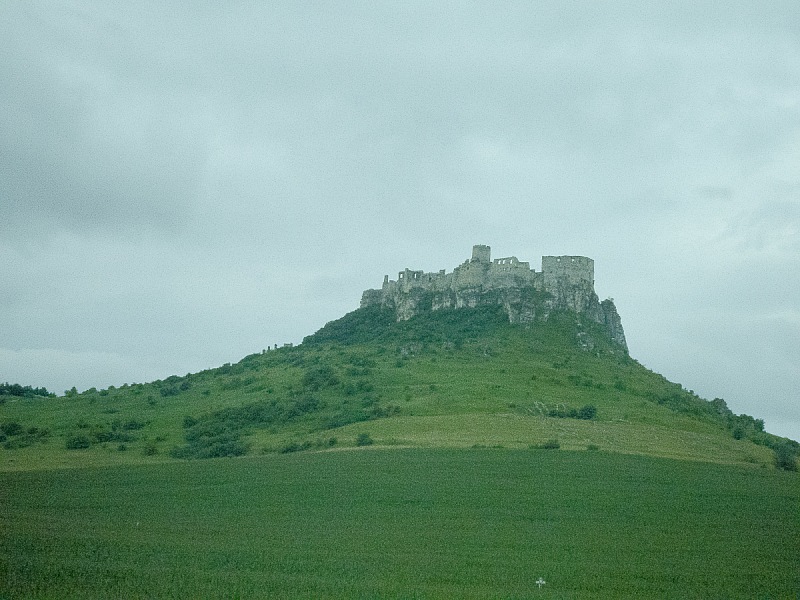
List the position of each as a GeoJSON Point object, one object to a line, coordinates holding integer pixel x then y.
{"type": "Point", "coordinates": [450, 456]}
{"type": "Point", "coordinates": [453, 378]}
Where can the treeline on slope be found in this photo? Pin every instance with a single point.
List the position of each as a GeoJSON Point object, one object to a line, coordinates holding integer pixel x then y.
{"type": "Point", "coordinates": [377, 324]}
{"type": "Point", "coordinates": [741, 427]}
{"type": "Point", "coordinates": [22, 391]}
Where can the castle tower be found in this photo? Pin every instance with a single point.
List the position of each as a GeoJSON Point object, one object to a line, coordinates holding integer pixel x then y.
{"type": "Point", "coordinates": [481, 253]}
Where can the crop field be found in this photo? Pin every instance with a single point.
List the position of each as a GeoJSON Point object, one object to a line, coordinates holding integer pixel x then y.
{"type": "Point", "coordinates": [403, 523]}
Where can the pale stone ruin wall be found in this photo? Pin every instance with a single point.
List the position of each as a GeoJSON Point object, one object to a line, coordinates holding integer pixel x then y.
{"type": "Point", "coordinates": [568, 279]}
{"type": "Point", "coordinates": [576, 270]}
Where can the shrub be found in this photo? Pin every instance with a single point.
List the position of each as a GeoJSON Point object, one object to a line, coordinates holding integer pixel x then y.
{"type": "Point", "coordinates": [344, 417]}
{"type": "Point", "coordinates": [296, 447]}
{"type": "Point", "coordinates": [550, 445]}
{"type": "Point", "coordinates": [11, 428]}
{"type": "Point", "coordinates": [78, 441]}
{"type": "Point", "coordinates": [587, 412]}
{"type": "Point", "coordinates": [100, 435]}
{"type": "Point", "coordinates": [785, 457]}
{"type": "Point", "coordinates": [22, 441]}
{"type": "Point", "coordinates": [211, 448]}
{"type": "Point", "coordinates": [317, 378]}
{"type": "Point", "coordinates": [170, 390]}
{"type": "Point", "coordinates": [364, 439]}
{"type": "Point", "coordinates": [290, 447]}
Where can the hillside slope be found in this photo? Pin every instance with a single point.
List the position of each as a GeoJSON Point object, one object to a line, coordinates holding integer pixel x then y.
{"type": "Point", "coordinates": [450, 378]}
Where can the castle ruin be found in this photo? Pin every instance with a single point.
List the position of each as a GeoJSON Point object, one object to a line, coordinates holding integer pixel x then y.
{"type": "Point", "coordinates": [564, 283]}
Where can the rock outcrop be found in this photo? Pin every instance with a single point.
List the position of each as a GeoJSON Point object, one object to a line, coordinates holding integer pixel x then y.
{"type": "Point", "coordinates": [565, 283]}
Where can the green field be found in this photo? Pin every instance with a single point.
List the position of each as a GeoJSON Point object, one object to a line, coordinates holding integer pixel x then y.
{"type": "Point", "coordinates": [399, 460]}
{"type": "Point", "coordinates": [403, 523]}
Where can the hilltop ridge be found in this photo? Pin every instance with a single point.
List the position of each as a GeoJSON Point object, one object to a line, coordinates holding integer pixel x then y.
{"type": "Point", "coordinates": [492, 354]}
{"type": "Point", "coordinates": [525, 295]}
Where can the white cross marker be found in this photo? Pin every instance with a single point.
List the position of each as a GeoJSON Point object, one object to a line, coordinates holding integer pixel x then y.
{"type": "Point", "coordinates": [540, 582]}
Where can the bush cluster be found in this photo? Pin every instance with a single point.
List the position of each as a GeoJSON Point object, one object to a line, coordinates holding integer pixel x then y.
{"type": "Point", "coordinates": [78, 441]}
{"type": "Point", "coordinates": [220, 433]}
{"type": "Point", "coordinates": [553, 444]}
{"type": "Point", "coordinates": [364, 439]}
{"type": "Point", "coordinates": [23, 391]}
{"type": "Point", "coordinates": [295, 446]}
{"type": "Point", "coordinates": [316, 378]}
{"type": "Point", "coordinates": [368, 411]}
{"type": "Point", "coordinates": [13, 435]}
{"type": "Point", "coordinates": [587, 412]}
{"type": "Point", "coordinates": [173, 385]}
{"type": "Point", "coordinates": [118, 431]}
{"type": "Point", "coordinates": [786, 456]}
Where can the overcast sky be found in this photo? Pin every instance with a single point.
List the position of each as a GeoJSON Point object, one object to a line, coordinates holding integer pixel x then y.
{"type": "Point", "coordinates": [181, 187]}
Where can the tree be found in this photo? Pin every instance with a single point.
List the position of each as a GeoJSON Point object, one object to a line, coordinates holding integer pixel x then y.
{"type": "Point", "coordinates": [785, 457]}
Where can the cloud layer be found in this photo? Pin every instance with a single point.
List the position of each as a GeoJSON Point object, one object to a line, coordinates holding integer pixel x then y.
{"type": "Point", "coordinates": [182, 187]}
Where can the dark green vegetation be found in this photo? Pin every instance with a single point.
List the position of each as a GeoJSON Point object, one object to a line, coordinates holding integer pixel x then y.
{"type": "Point", "coordinates": [452, 455]}
{"type": "Point", "coordinates": [24, 391]}
{"type": "Point", "coordinates": [456, 378]}
{"type": "Point", "coordinates": [395, 523]}
{"type": "Point", "coordinates": [21, 391]}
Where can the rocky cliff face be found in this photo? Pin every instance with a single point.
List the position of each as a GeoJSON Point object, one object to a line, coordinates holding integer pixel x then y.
{"type": "Point", "coordinates": [566, 283]}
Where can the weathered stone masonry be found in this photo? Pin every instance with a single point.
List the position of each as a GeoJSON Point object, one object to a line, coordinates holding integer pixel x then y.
{"type": "Point", "coordinates": [564, 283]}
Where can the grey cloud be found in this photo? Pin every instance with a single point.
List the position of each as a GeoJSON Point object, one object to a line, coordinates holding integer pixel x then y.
{"type": "Point", "coordinates": [251, 168]}
{"type": "Point", "coordinates": [87, 147]}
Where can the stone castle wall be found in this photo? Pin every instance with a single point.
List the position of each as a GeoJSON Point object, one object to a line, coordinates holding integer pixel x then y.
{"type": "Point", "coordinates": [574, 269]}
{"type": "Point", "coordinates": [567, 283]}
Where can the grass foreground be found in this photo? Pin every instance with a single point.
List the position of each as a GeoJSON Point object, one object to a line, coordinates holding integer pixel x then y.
{"type": "Point", "coordinates": [403, 523]}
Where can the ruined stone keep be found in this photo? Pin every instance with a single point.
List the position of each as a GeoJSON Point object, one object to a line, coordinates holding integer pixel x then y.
{"type": "Point", "coordinates": [564, 283]}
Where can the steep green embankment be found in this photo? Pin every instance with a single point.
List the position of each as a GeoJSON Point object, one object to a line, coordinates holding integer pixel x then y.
{"type": "Point", "coordinates": [453, 378]}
